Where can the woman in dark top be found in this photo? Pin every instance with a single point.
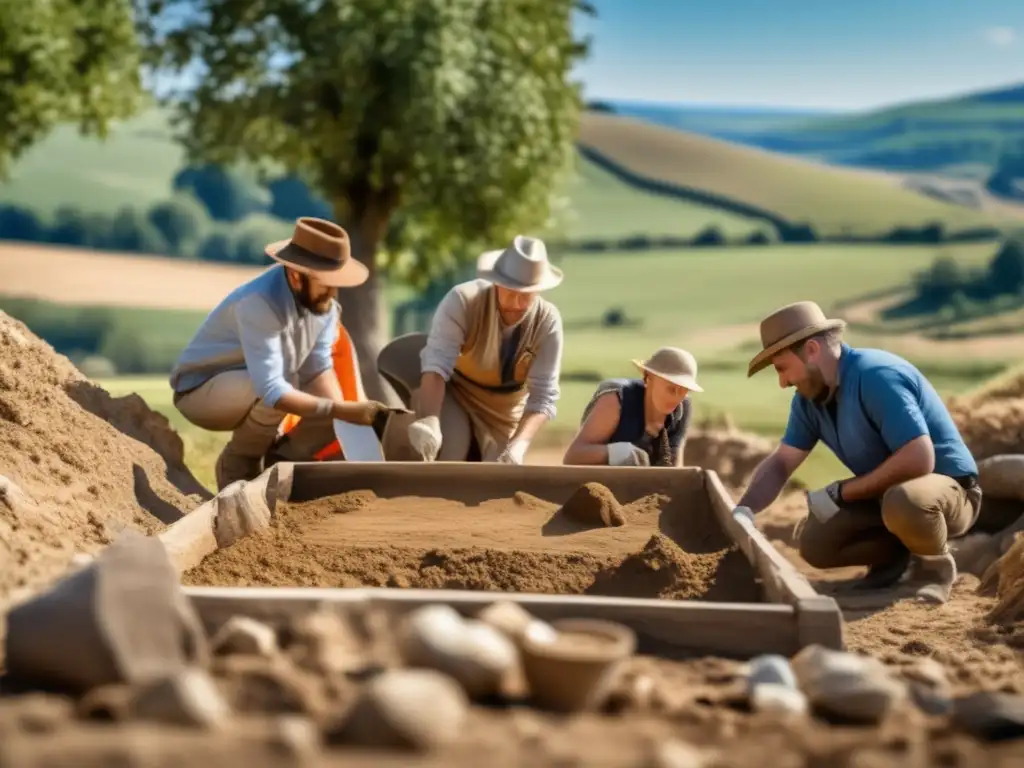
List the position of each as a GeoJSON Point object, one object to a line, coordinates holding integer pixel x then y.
{"type": "Point", "coordinates": [639, 422]}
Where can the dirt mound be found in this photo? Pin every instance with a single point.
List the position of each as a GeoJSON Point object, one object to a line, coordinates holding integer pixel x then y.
{"type": "Point", "coordinates": [732, 453]}
{"type": "Point", "coordinates": [1009, 571]}
{"type": "Point", "coordinates": [593, 504]}
{"type": "Point", "coordinates": [78, 465]}
{"type": "Point", "coordinates": [991, 419]}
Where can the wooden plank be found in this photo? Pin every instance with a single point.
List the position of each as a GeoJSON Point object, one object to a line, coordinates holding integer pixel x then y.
{"type": "Point", "coordinates": [819, 618]}
{"type": "Point", "coordinates": [191, 539]}
{"type": "Point", "coordinates": [671, 629]}
{"type": "Point", "coordinates": [782, 581]}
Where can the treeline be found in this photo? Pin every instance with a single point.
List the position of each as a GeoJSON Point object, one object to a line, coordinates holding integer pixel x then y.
{"type": "Point", "coordinates": [948, 284]}
{"type": "Point", "coordinates": [931, 233]}
{"type": "Point", "coordinates": [212, 215]}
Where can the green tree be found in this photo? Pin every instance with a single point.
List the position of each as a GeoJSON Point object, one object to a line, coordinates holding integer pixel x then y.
{"type": "Point", "coordinates": [64, 61]}
{"type": "Point", "coordinates": [459, 116]}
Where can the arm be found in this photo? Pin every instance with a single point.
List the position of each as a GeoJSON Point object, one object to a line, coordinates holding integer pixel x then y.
{"type": "Point", "coordinates": [542, 383]}
{"type": "Point", "coordinates": [444, 343]}
{"type": "Point", "coordinates": [889, 398]}
{"type": "Point", "coordinates": [678, 441]}
{"type": "Point", "coordinates": [590, 446]}
{"type": "Point", "coordinates": [771, 476]}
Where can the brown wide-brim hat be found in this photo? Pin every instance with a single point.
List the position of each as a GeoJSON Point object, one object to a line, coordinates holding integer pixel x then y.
{"type": "Point", "coordinates": [788, 326]}
{"type": "Point", "coordinates": [322, 250]}
{"type": "Point", "coordinates": [674, 365]}
{"type": "Point", "coordinates": [523, 266]}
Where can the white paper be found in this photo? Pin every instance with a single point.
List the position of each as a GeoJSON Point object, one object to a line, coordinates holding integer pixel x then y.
{"type": "Point", "coordinates": [358, 442]}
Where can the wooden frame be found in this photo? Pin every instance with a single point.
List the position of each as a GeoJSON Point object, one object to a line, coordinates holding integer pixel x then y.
{"type": "Point", "coordinates": [793, 616]}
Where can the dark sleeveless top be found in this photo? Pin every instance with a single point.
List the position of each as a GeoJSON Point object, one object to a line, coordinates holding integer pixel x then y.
{"type": "Point", "coordinates": [631, 426]}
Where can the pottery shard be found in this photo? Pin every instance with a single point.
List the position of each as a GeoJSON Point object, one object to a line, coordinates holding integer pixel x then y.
{"type": "Point", "coordinates": [240, 634]}
{"type": "Point", "coordinates": [416, 709]}
{"type": "Point", "coordinates": [843, 684]}
{"type": "Point", "coordinates": [514, 621]}
{"type": "Point", "coordinates": [189, 698]}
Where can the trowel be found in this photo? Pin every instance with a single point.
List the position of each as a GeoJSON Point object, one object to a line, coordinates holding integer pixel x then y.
{"type": "Point", "coordinates": [358, 441]}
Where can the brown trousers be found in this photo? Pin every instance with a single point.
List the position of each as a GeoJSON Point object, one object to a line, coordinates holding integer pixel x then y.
{"type": "Point", "coordinates": [919, 515]}
{"type": "Point", "coordinates": [229, 403]}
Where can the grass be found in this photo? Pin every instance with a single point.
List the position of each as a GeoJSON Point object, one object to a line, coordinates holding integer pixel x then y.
{"type": "Point", "coordinates": [833, 200]}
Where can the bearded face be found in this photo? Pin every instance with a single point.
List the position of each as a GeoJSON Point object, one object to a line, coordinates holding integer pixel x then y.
{"type": "Point", "coordinates": [311, 294]}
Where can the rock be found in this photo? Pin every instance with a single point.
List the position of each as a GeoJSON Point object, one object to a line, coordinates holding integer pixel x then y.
{"type": "Point", "coordinates": [770, 669]}
{"type": "Point", "coordinates": [324, 642]}
{"type": "Point", "coordinates": [991, 716]}
{"type": "Point", "coordinates": [514, 621]}
{"type": "Point", "coordinates": [476, 654]}
{"type": "Point", "coordinates": [417, 709]}
{"type": "Point", "coordinates": [122, 619]}
{"type": "Point", "coordinates": [240, 634]}
{"type": "Point", "coordinates": [36, 713]}
{"type": "Point", "coordinates": [680, 754]}
{"type": "Point", "coordinates": [189, 697]}
{"type": "Point", "coordinates": [843, 684]}
{"type": "Point", "coordinates": [929, 672]}
{"type": "Point", "coordinates": [295, 736]}
{"type": "Point", "coordinates": [775, 697]}
{"type": "Point", "coordinates": [929, 700]}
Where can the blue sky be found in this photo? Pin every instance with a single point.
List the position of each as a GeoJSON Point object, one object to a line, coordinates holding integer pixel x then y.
{"type": "Point", "coordinates": [836, 54]}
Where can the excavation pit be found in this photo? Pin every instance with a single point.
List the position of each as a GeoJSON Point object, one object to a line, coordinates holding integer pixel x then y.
{"type": "Point", "coordinates": [673, 562]}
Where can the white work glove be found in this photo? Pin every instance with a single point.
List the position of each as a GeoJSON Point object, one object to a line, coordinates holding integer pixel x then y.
{"type": "Point", "coordinates": [824, 502]}
{"type": "Point", "coordinates": [425, 437]}
{"type": "Point", "coordinates": [745, 511]}
{"type": "Point", "coordinates": [627, 455]}
{"type": "Point", "coordinates": [515, 453]}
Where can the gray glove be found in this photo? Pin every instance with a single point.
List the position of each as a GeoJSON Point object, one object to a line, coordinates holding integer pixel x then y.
{"type": "Point", "coordinates": [627, 455]}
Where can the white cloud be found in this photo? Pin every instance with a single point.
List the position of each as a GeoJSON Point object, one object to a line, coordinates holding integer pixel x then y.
{"type": "Point", "coordinates": [1001, 37]}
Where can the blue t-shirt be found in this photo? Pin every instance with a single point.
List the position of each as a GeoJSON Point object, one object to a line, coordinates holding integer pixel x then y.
{"type": "Point", "coordinates": [882, 403]}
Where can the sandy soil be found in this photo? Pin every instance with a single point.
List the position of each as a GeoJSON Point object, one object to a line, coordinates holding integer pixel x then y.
{"type": "Point", "coordinates": [96, 278]}
{"type": "Point", "coordinates": [666, 548]}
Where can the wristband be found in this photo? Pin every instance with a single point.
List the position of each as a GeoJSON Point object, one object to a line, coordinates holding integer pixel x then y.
{"type": "Point", "coordinates": [324, 407]}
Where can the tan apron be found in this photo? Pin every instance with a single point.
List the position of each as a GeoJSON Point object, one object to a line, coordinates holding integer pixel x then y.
{"type": "Point", "coordinates": [494, 405]}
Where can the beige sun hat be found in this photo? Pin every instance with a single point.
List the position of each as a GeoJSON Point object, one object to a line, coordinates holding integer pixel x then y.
{"type": "Point", "coordinates": [672, 364]}
{"type": "Point", "coordinates": [320, 249]}
{"type": "Point", "coordinates": [523, 266]}
{"type": "Point", "coordinates": [788, 326]}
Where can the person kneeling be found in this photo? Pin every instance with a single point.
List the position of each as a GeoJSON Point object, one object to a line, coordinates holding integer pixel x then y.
{"type": "Point", "coordinates": [639, 422]}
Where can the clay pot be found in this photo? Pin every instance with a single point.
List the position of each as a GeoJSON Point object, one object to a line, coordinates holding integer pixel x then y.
{"type": "Point", "coordinates": [574, 671]}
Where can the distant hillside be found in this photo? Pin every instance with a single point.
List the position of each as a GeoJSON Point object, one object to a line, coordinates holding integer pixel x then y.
{"type": "Point", "coordinates": [963, 136]}
{"type": "Point", "coordinates": [135, 167]}
{"type": "Point", "coordinates": [753, 182]}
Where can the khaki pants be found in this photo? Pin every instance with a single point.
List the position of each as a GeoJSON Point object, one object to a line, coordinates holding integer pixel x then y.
{"type": "Point", "coordinates": [228, 403]}
{"type": "Point", "coordinates": [457, 441]}
{"type": "Point", "coordinates": [919, 515]}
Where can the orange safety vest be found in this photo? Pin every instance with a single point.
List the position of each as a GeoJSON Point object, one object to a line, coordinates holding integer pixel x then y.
{"type": "Point", "coordinates": [345, 370]}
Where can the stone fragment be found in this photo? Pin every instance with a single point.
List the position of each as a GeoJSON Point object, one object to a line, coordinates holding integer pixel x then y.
{"type": "Point", "coordinates": [846, 685]}
{"type": "Point", "coordinates": [991, 716]}
{"type": "Point", "coordinates": [240, 634]}
{"type": "Point", "coordinates": [188, 698]}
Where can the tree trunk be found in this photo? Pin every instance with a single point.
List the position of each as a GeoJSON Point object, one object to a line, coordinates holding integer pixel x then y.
{"type": "Point", "coordinates": [364, 308]}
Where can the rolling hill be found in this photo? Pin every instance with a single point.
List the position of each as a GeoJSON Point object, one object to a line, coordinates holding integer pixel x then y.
{"type": "Point", "coordinates": [962, 135]}
{"type": "Point", "coordinates": [635, 179]}
{"type": "Point", "coordinates": [753, 182]}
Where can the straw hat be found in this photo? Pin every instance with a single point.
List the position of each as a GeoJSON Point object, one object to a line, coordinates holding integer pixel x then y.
{"type": "Point", "coordinates": [789, 326]}
{"type": "Point", "coordinates": [675, 365]}
{"type": "Point", "coordinates": [321, 249]}
{"type": "Point", "coordinates": [523, 266]}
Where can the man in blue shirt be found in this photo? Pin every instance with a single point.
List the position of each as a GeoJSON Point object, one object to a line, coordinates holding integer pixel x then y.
{"type": "Point", "coordinates": [914, 483]}
{"type": "Point", "coordinates": [265, 351]}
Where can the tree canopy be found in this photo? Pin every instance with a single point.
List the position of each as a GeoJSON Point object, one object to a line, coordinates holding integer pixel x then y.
{"type": "Point", "coordinates": [446, 125]}
{"type": "Point", "coordinates": [64, 61]}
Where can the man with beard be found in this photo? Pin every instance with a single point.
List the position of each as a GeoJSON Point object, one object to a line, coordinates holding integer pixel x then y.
{"type": "Point", "coordinates": [914, 483]}
{"type": "Point", "coordinates": [265, 352]}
